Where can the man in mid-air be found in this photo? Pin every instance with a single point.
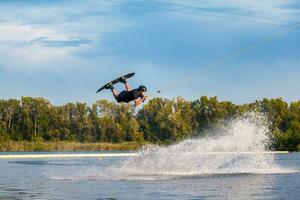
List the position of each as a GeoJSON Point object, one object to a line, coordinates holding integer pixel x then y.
{"type": "Point", "coordinates": [136, 95]}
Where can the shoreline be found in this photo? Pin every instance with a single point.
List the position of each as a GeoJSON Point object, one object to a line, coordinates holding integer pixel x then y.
{"type": "Point", "coordinates": [101, 155]}
{"type": "Point", "coordinates": [59, 146]}
{"type": "Point", "coordinates": [72, 146]}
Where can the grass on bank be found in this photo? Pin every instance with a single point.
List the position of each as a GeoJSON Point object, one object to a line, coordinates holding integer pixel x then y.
{"type": "Point", "coordinates": [67, 146]}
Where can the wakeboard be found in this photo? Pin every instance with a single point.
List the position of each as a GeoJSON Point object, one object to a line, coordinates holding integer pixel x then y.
{"type": "Point", "coordinates": [115, 81]}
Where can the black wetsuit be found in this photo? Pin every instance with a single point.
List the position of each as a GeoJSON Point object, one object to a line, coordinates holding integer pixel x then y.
{"type": "Point", "coordinates": [127, 96]}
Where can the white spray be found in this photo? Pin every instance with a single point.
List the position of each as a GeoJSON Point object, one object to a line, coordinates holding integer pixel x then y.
{"type": "Point", "coordinates": [237, 148]}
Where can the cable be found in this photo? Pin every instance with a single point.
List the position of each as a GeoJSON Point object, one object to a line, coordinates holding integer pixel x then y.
{"type": "Point", "coordinates": [196, 74]}
{"type": "Point", "coordinates": [197, 13]}
{"type": "Point", "coordinates": [220, 11]}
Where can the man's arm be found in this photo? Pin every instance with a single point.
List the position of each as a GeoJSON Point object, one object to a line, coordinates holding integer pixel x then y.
{"type": "Point", "coordinates": [137, 102]}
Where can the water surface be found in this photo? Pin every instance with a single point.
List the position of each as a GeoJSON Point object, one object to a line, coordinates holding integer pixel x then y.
{"type": "Point", "coordinates": [91, 178]}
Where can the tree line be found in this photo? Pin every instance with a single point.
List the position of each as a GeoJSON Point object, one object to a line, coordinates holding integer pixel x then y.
{"type": "Point", "coordinates": [158, 121]}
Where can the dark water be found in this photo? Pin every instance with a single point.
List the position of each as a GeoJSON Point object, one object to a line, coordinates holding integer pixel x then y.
{"type": "Point", "coordinates": [88, 178]}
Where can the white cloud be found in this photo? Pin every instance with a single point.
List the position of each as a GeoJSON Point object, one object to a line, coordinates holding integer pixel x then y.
{"type": "Point", "coordinates": [18, 33]}
{"type": "Point", "coordinates": [26, 38]}
{"type": "Point", "coordinates": [47, 37]}
{"type": "Point", "coordinates": [20, 52]}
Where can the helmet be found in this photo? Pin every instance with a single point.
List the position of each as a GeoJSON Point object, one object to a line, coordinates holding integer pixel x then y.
{"type": "Point", "coordinates": [142, 88]}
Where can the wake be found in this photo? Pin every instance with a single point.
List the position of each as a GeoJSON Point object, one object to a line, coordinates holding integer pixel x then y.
{"type": "Point", "coordinates": [237, 148]}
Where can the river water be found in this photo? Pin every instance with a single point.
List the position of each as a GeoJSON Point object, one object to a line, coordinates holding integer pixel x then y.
{"type": "Point", "coordinates": [91, 178]}
{"type": "Point", "coordinates": [231, 164]}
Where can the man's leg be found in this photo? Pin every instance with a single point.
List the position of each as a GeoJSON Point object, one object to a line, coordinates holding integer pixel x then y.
{"type": "Point", "coordinates": [127, 86]}
{"type": "Point", "coordinates": [123, 80]}
{"type": "Point", "coordinates": [115, 93]}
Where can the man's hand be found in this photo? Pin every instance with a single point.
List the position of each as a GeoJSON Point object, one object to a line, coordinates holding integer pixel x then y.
{"type": "Point", "coordinates": [138, 102]}
{"type": "Point", "coordinates": [144, 98]}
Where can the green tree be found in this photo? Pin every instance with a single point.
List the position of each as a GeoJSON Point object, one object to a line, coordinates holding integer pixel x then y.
{"type": "Point", "coordinates": [166, 120]}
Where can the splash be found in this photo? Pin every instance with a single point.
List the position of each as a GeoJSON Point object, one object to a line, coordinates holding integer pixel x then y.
{"type": "Point", "coordinates": [234, 149]}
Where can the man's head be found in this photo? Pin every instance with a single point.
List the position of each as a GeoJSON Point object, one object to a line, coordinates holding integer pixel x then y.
{"type": "Point", "coordinates": [142, 89]}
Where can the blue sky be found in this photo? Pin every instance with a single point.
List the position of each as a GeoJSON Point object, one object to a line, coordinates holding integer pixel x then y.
{"type": "Point", "coordinates": [65, 50]}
